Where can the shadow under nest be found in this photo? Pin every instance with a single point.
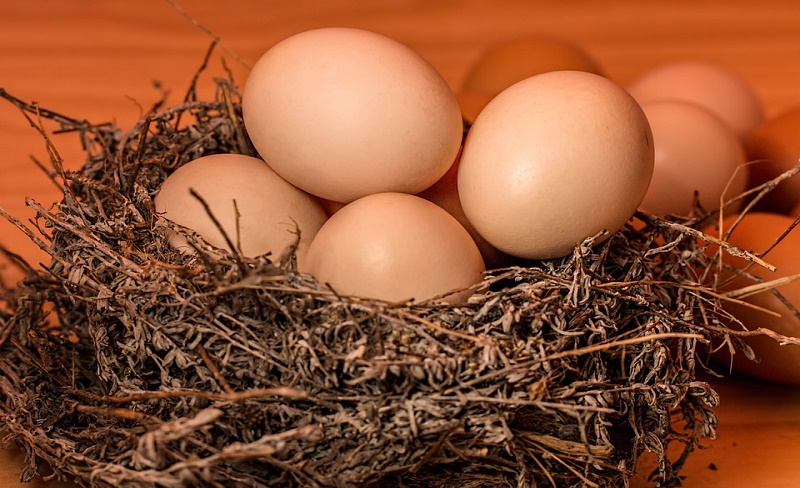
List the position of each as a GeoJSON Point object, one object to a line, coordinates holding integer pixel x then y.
{"type": "Point", "coordinates": [126, 363]}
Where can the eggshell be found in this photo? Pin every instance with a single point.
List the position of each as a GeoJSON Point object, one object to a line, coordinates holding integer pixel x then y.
{"type": "Point", "coordinates": [394, 246]}
{"type": "Point", "coordinates": [444, 193]}
{"type": "Point", "coordinates": [774, 147]}
{"type": "Point", "coordinates": [552, 160]}
{"type": "Point", "coordinates": [343, 113]}
{"type": "Point", "coordinates": [271, 210]}
{"type": "Point", "coordinates": [329, 206]}
{"type": "Point", "coordinates": [695, 151]}
{"type": "Point", "coordinates": [756, 233]}
{"type": "Point", "coordinates": [714, 87]}
{"type": "Point", "coordinates": [512, 61]}
{"type": "Point", "coordinates": [471, 104]}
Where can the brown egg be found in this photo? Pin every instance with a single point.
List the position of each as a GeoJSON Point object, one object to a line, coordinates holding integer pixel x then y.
{"type": "Point", "coordinates": [756, 233]}
{"type": "Point", "coordinates": [509, 62]}
{"type": "Point", "coordinates": [342, 113]}
{"type": "Point", "coordinates": [444, 193]}
{"type": "Point", "coordinates": [330, 206]}
{"type": "Point", "coordinates": [553, 160]}
{"type": "Point", "coordinates": [775, 148]}
{"type": "Point", "coordinates": [471, 104]}
{"type": "Point", "coordinates": [694, 151]}
{"type": "Point", "coordinates": [270, 210]}
{"type": "Point", "coordinates": [394, 246]}
{"type": "Point", "coordinates": [709, 85]}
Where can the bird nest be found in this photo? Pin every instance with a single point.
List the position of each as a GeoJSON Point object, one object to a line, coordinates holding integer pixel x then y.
{"type": "Point", "coordinates": [126, 363]}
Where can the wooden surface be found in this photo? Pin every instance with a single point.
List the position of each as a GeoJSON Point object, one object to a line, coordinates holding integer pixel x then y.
{"type": "Point", "coordinates": [99, 61]}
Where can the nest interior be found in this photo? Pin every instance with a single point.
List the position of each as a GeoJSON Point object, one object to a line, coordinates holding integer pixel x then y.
{"type": "Point", "coordinates": [125, 363]}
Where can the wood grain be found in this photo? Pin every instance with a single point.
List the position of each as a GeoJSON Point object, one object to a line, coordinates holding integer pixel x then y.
{"type": "Point", "coordinates": [99, 61]}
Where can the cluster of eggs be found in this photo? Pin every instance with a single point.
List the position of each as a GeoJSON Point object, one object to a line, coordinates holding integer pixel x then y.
{"type": "Point", "coordinates": [361, 141]}
{"type": "Point", "coordinates": [364, 126]}
{"type": "Point", "coordinates": [712, 138]}
{"type": "Point", "coordinates": [712, 143]}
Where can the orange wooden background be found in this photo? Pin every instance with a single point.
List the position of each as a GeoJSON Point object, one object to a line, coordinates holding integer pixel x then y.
{"type": "Point", "coordinates": [99, 60]}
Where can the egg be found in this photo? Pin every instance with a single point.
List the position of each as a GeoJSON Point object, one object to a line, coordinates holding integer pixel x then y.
{"type": "Point", "coordinates": [774, 146]}
{"type": "Point", "coordinates": [509, 62]}
{"type": "Point", "coordinates": [695, 151]}
{"type": "Point", "coordinates": [756, 233]}
{"type": "Point", "coordinates": [329, 206]}
{"type": "Point", "coordinates": [471, 104]}
{"type": "Point", "coordinates": [444, 193]}
{"type": "Point", "coordinates": [343, 113]}
{"type": "Point", "coordinates": [259, 211]}
{"type": "Point", "coordinates": [714, 87]}
{"type": "Point", "coordinates": [553, 160]}
{"type": "Point", "coordinates": [395, 247]}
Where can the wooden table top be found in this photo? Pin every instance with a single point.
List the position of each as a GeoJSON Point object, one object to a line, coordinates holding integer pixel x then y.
{"type": "Point", "coordinates": [99, 61]}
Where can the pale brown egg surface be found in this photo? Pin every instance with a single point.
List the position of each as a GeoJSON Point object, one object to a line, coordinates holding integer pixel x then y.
{"type": "Point", "coordinates": [394, 247]}
{"type": "Point", "coordinates": [695, 151]}
{"type": "Point", "coordinates": [774, 148]}
{"type": "Point", "coordinates": [343, 113]}
{"type": "Point", "coordinates": [757, 232]}
{"type": "Point", "coordinates": [714, 87]}
{"type": "Point", "coordinates": [553, 160]}
{"type": "Point", "coordinates": [259, 211]}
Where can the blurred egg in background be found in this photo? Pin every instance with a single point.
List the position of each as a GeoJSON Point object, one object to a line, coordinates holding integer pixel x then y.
{"type": "Point", "coordinates": [758, 232]}
{"type": "Point", "coordinates": [508, 62]}
{"type": "Point", "coordinates": [774, 148]}
{"type": "Point", "coordinates": [712, 86]}
{"type": "Point", "coordinates": [695, 151]}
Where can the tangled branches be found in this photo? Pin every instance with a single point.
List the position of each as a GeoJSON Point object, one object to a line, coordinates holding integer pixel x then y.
{"type": "Point", "coordinates": [125, 362]}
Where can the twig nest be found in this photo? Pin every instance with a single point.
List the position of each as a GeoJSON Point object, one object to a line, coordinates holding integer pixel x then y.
{"type": "Point", "coordinates": [214, 368]}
